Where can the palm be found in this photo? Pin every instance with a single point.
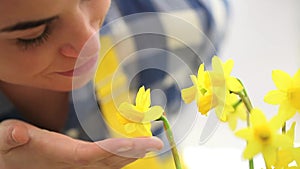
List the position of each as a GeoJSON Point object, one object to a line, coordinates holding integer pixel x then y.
{"type": "Point", "coordinates": [51, 150]}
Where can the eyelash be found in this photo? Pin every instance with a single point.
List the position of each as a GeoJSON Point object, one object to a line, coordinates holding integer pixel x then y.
{"type": "Point", "coordinates": [35, 42]}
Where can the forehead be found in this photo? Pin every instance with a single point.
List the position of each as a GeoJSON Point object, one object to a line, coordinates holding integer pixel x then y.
{"type": "Point", "coordinates": [12, 11]}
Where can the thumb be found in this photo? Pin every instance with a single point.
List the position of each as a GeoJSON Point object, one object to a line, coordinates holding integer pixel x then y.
{"type": "Point", "coordinates": [13, 133]}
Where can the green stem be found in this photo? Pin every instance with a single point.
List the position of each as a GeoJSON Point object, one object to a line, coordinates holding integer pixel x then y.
{"type": "Point", "coordinates": [237, 103]}
{"type": "Point", "coordinates": [244, 97]}
{"type": "Point", "coordinates": [171, 141]}
{"type": "Point", "coordinates": [251, 164]}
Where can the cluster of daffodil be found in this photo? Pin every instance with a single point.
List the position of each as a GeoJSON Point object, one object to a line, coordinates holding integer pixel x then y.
{"type": "Point", "coordinates": [217, 89]}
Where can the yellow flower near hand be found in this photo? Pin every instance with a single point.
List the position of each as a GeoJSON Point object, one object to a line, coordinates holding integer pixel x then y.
{"type": "Point", "coordinates": [134, 129]}
{"type": "Point", "coordinates": [138, 117]}
{"type": "Point", "coordinates": [287, 95]}
{"type": "Point", "coordinates": [262, 137]}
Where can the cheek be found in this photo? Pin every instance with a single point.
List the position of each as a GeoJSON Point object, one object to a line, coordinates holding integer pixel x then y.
{"type": "Point", "coordinates": [105, 5]}
{"type": "Point", "coordinates": [22, 64]}
{"type": "Point", "coordinates": [99, 9]}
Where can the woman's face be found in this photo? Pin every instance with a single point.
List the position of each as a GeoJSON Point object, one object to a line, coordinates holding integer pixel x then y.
{"type": "Point", "coordinates": [41, 40]}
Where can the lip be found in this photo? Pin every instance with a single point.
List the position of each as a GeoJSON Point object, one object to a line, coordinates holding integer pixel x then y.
{"type": "Point", "coordinates": [82, 69]}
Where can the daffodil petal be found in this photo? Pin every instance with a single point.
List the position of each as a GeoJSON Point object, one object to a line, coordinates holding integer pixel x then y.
{"type": "Point", "coordinates": [233, 84]}
{"type": "Point", "coordinates": [154, 113]}
{"type": "Point", "coordinates": [144, 129]}
{"type": "Point", "coordinates": [139, 95]}
{"type": "Point", "coordinates": [257, 117]}
{"type": "Point", "coordinates": [206, 80]}
{"type": "Point", "coordinates": [296, 78]}
{"type": "Point", "coordinates": [291, 131]}
{"type": "Point", "coordinates": [147, 99]}
{"type": "Point", "coordinates": [128, 111]}
{"type": "Point", "coordinates": [285, 157]}
{"type": "Point", "coordinates": [217, 65]}
{"type": "Point", "coordinates": [286, 110]}
{"type": "Point", "coordinates": [232, 123]}
{"type": "Point", "coordinates": [269, 155]}
{"type": "Point", "coordinates": [275, 97]}
{"type": "Point", "coordinates": [251, 150]}
{"type": "Point", "coordinates": [194, 80]}
{"type": "Point", "coordinates": [277, 122]}
{"type": "Point", "coordinates": [221, 115]}
{"type": "Point", "coordinates": [130, 127]}
{"type": "Point", "coordinates": [189, 94]}
{"type": "Point", "coordinates": [244, 133]}
{"type": "Point", "coordinates": [201, 70]}
{"type": "Point", "coordinates": [215, 79]}
{"type": "Point", "coordinates": [281, 79]}
{"type": "Point", "coordinates": [143, 100]}
{"type": "Point", "coordinates": [241, 111]}
{"type": "Point", "coordinates": [228, 65]}
{"type": "Point", "coordinates": [282, 141]}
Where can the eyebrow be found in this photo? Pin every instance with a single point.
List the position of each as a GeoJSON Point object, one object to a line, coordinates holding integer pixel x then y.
{"type": "Point", "coordinates": [28, 24]}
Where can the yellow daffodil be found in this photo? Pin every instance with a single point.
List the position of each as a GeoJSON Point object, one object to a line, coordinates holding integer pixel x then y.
{"type": "Point", "coordinates": [138, 117]}
{"type": "Point", "coordinates": [262, 137]}
{"type": "Point", "coordinates": [287, 94]}
{"type": "Point", "coordinates": [200, 91]}
{"type": "Point", "coordinates": [221, 75]}
{"type": "Point", "coordinates": [210, 88]}
{"type": "Point", "coordinates": [222, 84]}
{"type": "Point", "coordinates": [134, 129]}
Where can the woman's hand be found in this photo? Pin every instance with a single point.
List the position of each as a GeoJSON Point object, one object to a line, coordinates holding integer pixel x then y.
{"type": "Point", "coordinates": [25, 146]}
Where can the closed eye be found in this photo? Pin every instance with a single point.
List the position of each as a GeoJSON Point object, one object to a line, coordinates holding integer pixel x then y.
{"type": "Point", "coordinates": [26, 43]}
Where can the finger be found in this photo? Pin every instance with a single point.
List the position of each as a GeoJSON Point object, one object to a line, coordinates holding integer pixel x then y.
{"type": "Point", "coordinates": [131, 147]}
{"type": "Point", "coordinates": [13, 134]}
{"type": "Point", "coordinates": [117, 161]}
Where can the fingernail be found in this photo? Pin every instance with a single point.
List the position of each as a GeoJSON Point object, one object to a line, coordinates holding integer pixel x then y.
{"type": "Point", "coordinates": [159, 144]}
{"type": "Point", "coordinates": [156, 138]}
{"type": "Point", "coordinates": [123, 149]}
{"type": "Point", "coordinates": [13, 136]}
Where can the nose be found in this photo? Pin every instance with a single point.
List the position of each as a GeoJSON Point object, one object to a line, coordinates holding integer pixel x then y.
{"type": "Point", "coordinates": [69, 51]}
{"type": "Point", "coordinates": [83, 41]}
